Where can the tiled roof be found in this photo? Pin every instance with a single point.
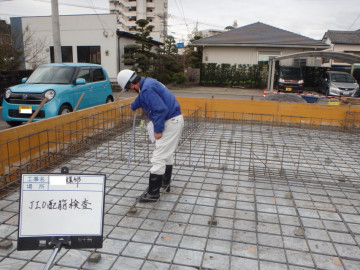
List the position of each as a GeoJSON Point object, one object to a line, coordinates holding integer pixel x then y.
{"type": "Point", "coordinates": [259, 33]}
{"type": "Point", "coordinates": [343, 37]}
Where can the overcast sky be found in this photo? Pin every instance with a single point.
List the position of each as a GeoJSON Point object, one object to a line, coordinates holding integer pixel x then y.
{"type": "Point", "coordinates": [311, 18]}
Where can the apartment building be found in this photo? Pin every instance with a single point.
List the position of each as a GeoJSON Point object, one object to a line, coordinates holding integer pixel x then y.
{"type": "Point", "coordinates": [129, 11]}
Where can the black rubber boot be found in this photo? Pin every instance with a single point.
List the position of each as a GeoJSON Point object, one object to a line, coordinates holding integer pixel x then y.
{"type": "Point", "coordinates": [167, 178]}
{"type": "Point", "coordinates": [153, 192]}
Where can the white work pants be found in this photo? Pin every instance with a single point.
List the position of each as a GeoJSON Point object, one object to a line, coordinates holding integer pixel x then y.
{"type": "Point", "coordinates": [165, 147]}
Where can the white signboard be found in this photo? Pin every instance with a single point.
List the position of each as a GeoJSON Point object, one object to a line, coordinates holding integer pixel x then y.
{"type": "Point", "coordinates": [61, 205]}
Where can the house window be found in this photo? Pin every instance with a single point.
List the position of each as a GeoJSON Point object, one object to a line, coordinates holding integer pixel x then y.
{"type": "Point", "coordinates": [299, 62]}
{"type": "Point", "coordinates": [89, 54]}
{"type": "Point", "coordinates": [132, 9]}
{"type": "Point", "coordinates": [264, 59]}
{"type": "Point", "coordinates": [265, 56]}
{"type": "Point", "coordinates": [66, 54]}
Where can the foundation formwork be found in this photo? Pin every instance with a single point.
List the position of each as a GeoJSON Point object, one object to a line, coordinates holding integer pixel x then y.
{"type": "Point", "coordinates": [246, 194]}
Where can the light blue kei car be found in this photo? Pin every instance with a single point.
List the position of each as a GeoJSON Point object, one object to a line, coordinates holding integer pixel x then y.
{"type": "Point", "coordinates": [62, 85]}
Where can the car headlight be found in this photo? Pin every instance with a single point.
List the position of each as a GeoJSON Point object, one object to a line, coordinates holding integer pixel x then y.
{"type": "Point", "coordinates": [7, 93]}
{"type": "Point", "coordinates": [49, 94]}
{"type": "Point", "coordinates": [281, 80]}
{"type": "Point", "coordinates": [300, 81]}
{"type": "Point", "coordinates": [333, 86]}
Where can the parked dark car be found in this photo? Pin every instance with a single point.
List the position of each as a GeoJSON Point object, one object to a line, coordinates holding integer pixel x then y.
{"type": "Point", "coordinates": [62, 85]}
{"type": "Point", "coordinates": [290, 79]}
{"type": "Point", "coordinates": [336, 83]}
{"type": "Point", "coordinates": [10, 78]}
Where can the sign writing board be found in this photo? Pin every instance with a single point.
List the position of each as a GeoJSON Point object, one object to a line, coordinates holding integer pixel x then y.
{"type": "Point", "coordinates": [55, 207]}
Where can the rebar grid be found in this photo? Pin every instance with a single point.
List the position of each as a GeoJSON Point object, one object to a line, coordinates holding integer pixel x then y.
{"type": "Point", "coordinates": [71, 138]}
{"type": "Point", "coordinates": [245, 195]}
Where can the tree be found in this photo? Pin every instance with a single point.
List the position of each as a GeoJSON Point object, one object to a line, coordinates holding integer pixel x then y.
{"type": "Point", "coordinates": [194, 54]}
{"type": "Point", "coordinates": [140, 55]}
{"type": "Point", "coordinates": [9, 57]}
{"type": "Point", "coordinates": [167, 67]}
{"type": "Point", "coordinates": [170, 46]}
{"type": "Point", "coordinates": [162, 65]}
{"type": "Point", "coordinates": [33, 49]}
{"type": "Point", "coordinates": [144, 35]}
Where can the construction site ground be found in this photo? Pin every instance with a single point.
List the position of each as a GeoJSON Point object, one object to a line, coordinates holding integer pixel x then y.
{"type": "Point", "coordinates": [244, 195]}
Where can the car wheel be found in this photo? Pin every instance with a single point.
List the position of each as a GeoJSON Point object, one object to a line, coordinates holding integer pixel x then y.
{"type": "Point", "coordinates": [64, 109]}
{"type": "Point", "coordinates": [327, 92]}
{"type": "Point", "coordinates": [14, 123]}
{"type": "Point", "coordinates": [108, 100]}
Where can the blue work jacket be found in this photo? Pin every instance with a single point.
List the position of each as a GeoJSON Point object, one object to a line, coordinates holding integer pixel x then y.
{"type": "Point", "coordinates": [157, 101]}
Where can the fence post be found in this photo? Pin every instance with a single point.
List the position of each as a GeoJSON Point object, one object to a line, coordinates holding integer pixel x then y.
{"type": "Point", "coordinates": [37, 110]}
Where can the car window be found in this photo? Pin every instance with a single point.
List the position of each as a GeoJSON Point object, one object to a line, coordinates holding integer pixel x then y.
{"type": "Point", "coordinates": [345, 78]}
{"type": "Point", "coordinates": [52, 75]}
{"type": "Point", "coordinates": [98, 75]}
{"type": "Point", "coordinates": [287, 72]}
{"type": "Point", "coordinates": [85, 74]}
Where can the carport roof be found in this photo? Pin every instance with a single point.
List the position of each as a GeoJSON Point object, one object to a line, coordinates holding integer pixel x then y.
{"type": "Point", "coordinates": [341, 57]}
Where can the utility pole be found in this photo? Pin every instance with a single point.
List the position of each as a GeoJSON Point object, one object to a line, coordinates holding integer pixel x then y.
{"type": "Point", "coordinates": [56, 31]}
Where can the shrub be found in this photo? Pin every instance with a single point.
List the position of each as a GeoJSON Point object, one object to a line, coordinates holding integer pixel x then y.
{"type": "Point", "coordinates": [178, 78]}
{"type": "Point", "coordinates": [164, 78]}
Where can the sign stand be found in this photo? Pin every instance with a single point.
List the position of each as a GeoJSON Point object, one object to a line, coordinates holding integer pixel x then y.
{"type": "Point", "coordinates": [57, 249]}
{"type": "Point", "coordinates": [61, 210]}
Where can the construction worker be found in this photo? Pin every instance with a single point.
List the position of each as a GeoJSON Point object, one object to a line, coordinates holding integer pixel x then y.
{"type": "Point", "coordinates": [163, 110]}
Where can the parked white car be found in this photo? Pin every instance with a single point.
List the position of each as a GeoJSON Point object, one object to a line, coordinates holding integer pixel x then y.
{"type": "Point", "coordinates": [336, 83]}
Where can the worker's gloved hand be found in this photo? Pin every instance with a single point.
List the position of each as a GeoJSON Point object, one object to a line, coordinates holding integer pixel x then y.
{"type": "Point", "coordinates": [157, 135]}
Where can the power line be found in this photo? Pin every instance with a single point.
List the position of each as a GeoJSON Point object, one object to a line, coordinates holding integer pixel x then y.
{"type": "Point", "coordinates": [354, 21]}
{"type": "Point", "coordinates": [182, 16]}
{"type": "Point", "coordinates": [73, 5]}
{"type": "Point", "coordinates": [195, 21]}
{"type": "Point", "coordinates": [97, 15]}
{"type": "Point", "coordinates": [82, 6]}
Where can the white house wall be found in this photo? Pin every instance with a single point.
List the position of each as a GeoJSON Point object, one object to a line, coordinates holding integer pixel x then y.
{"type": "Point", "coordinates": [229, 55]}
{"type": "Point", "coordinates": [247, 55]}
{"type": "Point", "coordinates": [345, 48]}
{"type": "Point", "coordinates": [81, 30]}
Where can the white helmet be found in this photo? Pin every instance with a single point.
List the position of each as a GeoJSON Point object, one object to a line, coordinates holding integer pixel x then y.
{"type": "Point", "coordinates": [125, 77]}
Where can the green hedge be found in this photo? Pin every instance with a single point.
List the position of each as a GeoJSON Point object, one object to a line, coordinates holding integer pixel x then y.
{"type": "Point", "coordinates": [311, 75]}
{"type": "Point", "coordinates": [233, 75]}
{"type": "Point", "coordinates": [253, 76]}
